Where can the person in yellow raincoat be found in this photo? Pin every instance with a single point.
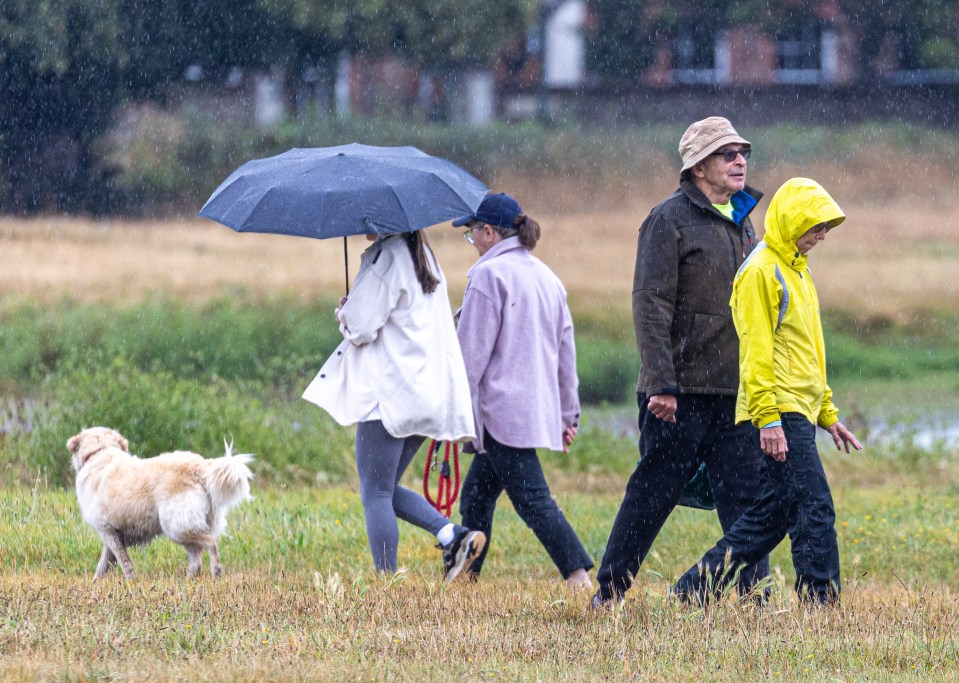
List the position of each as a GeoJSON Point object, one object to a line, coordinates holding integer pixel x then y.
{"type": "Point", "coordinates": [783, 391]}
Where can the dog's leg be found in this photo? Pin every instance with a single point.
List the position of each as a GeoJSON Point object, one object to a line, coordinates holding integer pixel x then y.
{"type": "Point", "coordinates": [195, 544]}
{"type": "Point", "coordinates": [195, 555]}
{"type": "Point", "coordinates": [113, 543]}
{"type": "Point", "coordinates": [216, 569]}
{"type": "Point", "coordinates": [107, 560]}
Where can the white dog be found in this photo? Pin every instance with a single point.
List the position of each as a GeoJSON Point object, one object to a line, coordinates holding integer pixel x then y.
{"type": "Point", "coordinates": [130, 501]}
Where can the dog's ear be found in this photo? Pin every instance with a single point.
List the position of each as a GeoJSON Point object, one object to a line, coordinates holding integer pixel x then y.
{"type": "Point", "coordinates": [124, 444]}
{"type": "Point", "coordinates": [73, 443]}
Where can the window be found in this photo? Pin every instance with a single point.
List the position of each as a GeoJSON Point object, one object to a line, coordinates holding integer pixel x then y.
{"type": "Point", "coordinates": [800, 53]}
{"type": "Point", "coordinates": [694, 54]}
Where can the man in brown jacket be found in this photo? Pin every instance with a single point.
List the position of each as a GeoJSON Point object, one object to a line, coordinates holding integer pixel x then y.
{"type": "Point", "coordinates": [690, 247]}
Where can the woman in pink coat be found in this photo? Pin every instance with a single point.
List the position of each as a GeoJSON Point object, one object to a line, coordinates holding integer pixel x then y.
{"type": "Point", "coordinates": [516, 334]}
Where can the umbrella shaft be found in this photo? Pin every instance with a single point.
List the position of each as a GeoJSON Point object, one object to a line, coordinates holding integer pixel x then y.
{"type": "Point", "coordinates": [346, 266]}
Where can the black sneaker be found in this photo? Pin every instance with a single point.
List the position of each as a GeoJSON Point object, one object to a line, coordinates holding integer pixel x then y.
{"type": "Point", "coordinates": [459, 555]}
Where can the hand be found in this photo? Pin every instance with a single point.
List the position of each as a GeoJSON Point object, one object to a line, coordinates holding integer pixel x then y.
{"type": "Point", "coordinates": [336, 311]}
{"type": "Point", "coordinates": [568, 435]}
{"type": "Point", "coordinates": [842, 436]}
{"type": "Point", "coordinates": [773, 442]}
{"type": "Point", "coordinates": [663, 406]}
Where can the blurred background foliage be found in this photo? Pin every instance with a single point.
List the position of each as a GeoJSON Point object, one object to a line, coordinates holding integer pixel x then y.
{"type": "Point", "coordinates": [171, 374]}
{"type": "Point", "coordinates": [88, 125]}
{"type": "Point", "coordinates": [68, 67]}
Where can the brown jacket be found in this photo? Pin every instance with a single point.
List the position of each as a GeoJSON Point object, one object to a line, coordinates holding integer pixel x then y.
{"type": "Point", "coordinates": [686, 258]}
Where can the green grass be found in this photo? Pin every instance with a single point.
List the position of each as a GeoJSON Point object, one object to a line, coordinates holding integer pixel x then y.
{"type": "Point", "coordinates": [300, 602]}
{"type": "Point", "coordinates": [887, 533]}
{"type": "Point", "coordinates": [926, 346]}
{"type": "Point", "coordinates": [170, 374]}
{"type": "Point", "coordinates": [226, 337]}
{"type": "Point", "coordinates": [173, 375]}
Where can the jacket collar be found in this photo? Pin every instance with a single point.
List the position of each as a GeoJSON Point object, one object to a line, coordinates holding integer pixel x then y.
{"type": "Point", "coordinates": [501, 247]}
{"type": "Point", "coordinates": [743, 201]}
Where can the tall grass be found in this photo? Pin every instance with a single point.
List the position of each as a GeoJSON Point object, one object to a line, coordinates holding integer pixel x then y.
{"type": "Point", "coordinates": [299, 602]}
{"type": "Point", "coordinates": [882, 348]}
{"type": "Point", "coordinates": [227, 338]}
{"type": "Point", "coordinates": [174, 375]}
{"type": "Point", "coordinates": [171, 374]}
{"type": "Point", "coordinates": [159, 412]}
{"type": "Point", "coordinates": [283, 342]}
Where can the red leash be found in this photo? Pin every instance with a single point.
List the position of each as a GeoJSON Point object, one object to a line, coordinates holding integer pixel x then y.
{"type": "Point", "coordinates": [448, 487]}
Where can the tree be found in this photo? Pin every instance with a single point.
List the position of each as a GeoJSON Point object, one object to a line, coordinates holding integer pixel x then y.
{"type": "Point", "coordinates": [441, 35]}
{"type": "Point", "coordinates": [60, 66]}
{"type": "Point", "coordinates": [66, 64]}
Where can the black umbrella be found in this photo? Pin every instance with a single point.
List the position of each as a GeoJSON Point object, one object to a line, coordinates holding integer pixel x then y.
{"type": "Point", "coordinates": [341, 191]}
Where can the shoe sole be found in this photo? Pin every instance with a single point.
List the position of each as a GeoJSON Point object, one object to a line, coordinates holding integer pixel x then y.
{"type": "Point", "coordinates": [470, 548]}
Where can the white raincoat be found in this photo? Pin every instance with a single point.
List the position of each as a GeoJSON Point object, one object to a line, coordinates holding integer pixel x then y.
{"type": "Point", "coordinates": [400, 361]}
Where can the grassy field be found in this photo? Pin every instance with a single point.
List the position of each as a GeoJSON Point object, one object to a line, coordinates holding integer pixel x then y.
{"type": "Point", "coordinates": [889, 259]}
{"type": "Point", "coordinates": [180, 332]}
{"type": "Point", "coordinates": [894, 255]}
{"type": "Point", "coordinates": [298, 602]}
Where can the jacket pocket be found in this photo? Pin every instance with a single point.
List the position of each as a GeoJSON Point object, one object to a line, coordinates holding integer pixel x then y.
{"type": "Point", "coordinates": [708, 352]}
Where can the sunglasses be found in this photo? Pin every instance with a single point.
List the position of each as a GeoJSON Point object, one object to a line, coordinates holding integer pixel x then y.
{"type": "Point", "coordinates": [729, 155]}
{"type": "Point", "coordinates": [468, 235]}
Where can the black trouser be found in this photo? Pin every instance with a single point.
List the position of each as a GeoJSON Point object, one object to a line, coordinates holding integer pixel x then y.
{"type": "Point", "coordinates": [519, 473]}
{"type": "Point", "coordinates": [795, 500]}
{"type": "Point", "coordinates": [704, 431]}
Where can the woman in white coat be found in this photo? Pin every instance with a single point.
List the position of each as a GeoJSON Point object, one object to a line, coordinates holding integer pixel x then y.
{"type": "Point", "coordinates": [399, 376]}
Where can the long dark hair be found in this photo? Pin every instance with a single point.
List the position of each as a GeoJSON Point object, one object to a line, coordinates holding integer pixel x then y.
{"type": "Point", "coordinates": [418, 246]}
{"type": "Point", "coordinates": [525, 227]}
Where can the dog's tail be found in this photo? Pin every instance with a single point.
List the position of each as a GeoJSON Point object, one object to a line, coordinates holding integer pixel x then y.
{"type": "Point", "coordinates": [227, 480]}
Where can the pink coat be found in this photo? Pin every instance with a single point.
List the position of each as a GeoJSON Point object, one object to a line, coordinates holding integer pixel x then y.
{"type": "Point", "coordinates": [516, 334]}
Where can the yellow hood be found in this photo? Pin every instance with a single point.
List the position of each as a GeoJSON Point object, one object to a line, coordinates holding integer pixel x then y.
{"type": "Point", "coordinates": [796, 207]}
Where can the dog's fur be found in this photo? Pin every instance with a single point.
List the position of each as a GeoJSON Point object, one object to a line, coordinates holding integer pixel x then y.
{"type": "Point", "coordinates": [130, 501]}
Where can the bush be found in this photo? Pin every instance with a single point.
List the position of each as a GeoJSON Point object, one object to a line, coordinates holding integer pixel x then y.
{"type": "Point", "coordinates": [885, 349]}
{"type": "Point", "coordinates": [279, 343]}
{"type": "Point", "coordinates": [159, 412]}
{"type": "Point", "coordinates": [607, 370]}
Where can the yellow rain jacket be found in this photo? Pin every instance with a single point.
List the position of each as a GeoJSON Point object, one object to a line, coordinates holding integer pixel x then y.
{"type": "Point", "coordinates": [782, 355]}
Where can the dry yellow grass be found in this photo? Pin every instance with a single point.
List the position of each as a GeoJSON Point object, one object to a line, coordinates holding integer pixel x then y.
{"type": "Point", "coordinates": [898, 251]}
{"type": "Point", "coordinates": [325, 627]}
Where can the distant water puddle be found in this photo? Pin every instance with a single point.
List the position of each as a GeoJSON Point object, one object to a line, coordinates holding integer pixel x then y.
{"type": "Point", "coordinates": [935, 433]}
{"type": "Point", "coordinates": [929, 433]}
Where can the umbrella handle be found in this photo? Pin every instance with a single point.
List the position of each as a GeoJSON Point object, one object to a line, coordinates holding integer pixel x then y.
{"type": "Point", "coordinates": [346, 265]}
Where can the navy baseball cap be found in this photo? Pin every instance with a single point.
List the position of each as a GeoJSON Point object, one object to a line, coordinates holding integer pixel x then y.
{"type": "Point", "coordinates": [498, 210]}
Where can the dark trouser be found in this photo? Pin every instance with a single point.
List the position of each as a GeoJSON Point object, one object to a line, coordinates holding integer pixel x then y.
{"type": "Point", "coordinates": [518, 471]}
{"type": "Point", "coordinates": [795, 500]}
{"type": "Point", "coordinates": [704, 431]}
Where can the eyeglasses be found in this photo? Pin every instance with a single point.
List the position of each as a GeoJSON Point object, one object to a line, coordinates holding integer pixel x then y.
{"type": "Point", "coordinates": [729, 155]}
{"type": "Point", "coordinates": [468, 235]}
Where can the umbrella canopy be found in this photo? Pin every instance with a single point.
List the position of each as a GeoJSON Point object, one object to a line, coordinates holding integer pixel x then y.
{"type": "Point", "coordinates": [341, 191]}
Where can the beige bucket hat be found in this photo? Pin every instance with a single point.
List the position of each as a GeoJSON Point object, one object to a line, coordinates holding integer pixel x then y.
{"type": "Point", "coordinates": [704, 137]}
